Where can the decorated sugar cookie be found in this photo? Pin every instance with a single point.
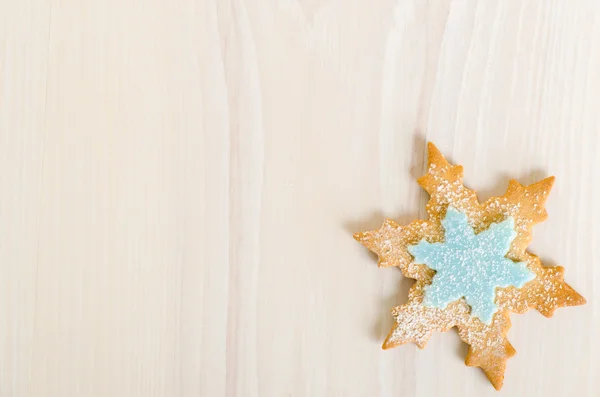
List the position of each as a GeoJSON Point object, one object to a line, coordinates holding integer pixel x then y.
{"type": "Point", "coordinates": [471, 266]}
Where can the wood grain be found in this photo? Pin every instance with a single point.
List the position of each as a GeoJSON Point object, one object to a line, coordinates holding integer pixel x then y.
{"type": "Point", "coordinates": [180, 182]}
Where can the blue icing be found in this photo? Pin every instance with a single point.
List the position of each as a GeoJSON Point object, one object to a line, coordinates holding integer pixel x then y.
{"type": "Point", "coordinates": [470, 265]}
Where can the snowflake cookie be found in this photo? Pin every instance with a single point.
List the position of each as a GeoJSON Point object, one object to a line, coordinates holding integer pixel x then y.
{"type": "Point", "coordinates": [471, 265]}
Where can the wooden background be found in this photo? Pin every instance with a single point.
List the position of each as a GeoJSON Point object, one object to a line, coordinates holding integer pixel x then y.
{"type": "Point", "coordinates": [180, 182]}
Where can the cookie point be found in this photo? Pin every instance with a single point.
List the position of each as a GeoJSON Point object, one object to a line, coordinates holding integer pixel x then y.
{"type": "Point", "coordinates": [544, 185]}
{"type": "Point", "coordinates": [431, 147]}
{"type": "Point", "coordinates": [550, 180]}
{"type": "Point", "coordinates": [422, 181]}
{"type": "Point", "coordinates": [497, 384]}
{"type": "Point", "coordinates": [513, 183]}
{"type": "Point", "coordinates": [578, 300]}
{"type": "Point", "coordinates": [434, 155]}
{"type": "Point", "coordinates": [388, 344]}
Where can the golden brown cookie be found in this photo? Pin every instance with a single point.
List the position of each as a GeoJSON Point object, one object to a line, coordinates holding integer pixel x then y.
{"type": "Point", "coordinates": [521, 281]}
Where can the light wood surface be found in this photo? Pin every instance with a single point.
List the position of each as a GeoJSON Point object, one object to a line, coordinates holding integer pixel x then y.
{"type": "Point", "coordinates": [180, 182]}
